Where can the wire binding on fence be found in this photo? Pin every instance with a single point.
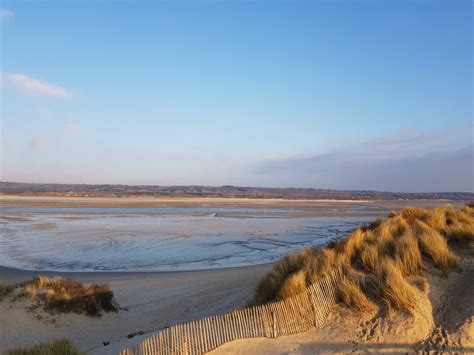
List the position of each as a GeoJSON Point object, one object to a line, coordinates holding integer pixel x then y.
{"type": "Point", "coordinates": [290, 316]}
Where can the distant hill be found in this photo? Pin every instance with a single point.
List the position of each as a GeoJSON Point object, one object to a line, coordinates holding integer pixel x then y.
{"type": "Point", "coordinates": [28, 189]}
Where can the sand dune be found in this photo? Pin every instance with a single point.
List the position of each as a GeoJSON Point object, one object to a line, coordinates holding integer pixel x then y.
{"type": "Point", "coordinates": [443, 322]}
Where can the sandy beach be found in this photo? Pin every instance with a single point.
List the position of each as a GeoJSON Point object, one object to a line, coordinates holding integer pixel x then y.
{"type": "Point", "coordinates": [148, 302]}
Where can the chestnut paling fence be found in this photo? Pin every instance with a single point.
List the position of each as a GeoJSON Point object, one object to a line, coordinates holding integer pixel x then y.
{"type": "Point", "coordinates": [290, 316]}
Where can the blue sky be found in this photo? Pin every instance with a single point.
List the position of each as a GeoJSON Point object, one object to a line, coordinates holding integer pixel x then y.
{"type": "Point", "coordinates": [328, 94]}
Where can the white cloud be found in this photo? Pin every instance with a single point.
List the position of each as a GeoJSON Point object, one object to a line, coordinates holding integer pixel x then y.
{"type": "Point", "coordinates": [6, 13]}
{"type": "Point", "coordinates": [34, 86]}
{"type": "Point", "coordinates": [72, 128]}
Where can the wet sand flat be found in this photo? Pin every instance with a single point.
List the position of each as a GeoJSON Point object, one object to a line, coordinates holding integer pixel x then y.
{"type": "Point", "coordinates": [157, 234]}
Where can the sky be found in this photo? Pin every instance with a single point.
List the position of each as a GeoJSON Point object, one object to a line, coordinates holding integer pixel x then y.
{"type": "Point", "coordinates": [326, 94]}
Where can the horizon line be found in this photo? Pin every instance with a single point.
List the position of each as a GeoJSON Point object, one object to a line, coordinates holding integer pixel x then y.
{"type": "Point", "coordinates": [241, 186]}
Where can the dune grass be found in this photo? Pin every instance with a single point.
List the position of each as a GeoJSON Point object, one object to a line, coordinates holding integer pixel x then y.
{"type": "Point", "coordinates": [395, 290]}
{"type": "Point", "coordinates": [352, 294]}
{"type": "Point", "coordinates": [5, 289]}
{"type": "Point", "coordinates": [57, 347]}
{"type": "Point", "coordinates": [383, 260]}
{"type": "Point", "coordinates": [70, 296]}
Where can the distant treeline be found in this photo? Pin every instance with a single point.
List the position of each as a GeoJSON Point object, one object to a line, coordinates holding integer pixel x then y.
{"type": "Point", "coordinates": [218, 191]}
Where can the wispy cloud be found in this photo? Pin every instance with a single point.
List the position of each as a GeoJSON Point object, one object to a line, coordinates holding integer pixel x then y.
{"type": "Point", "coordinates": [72, 128]}
{"type": "Point", "coordinates": [5, 13]}
{"type": "Point", "coordinates": [417, 161]}
{"type": "Point", "coordinates": [34, 86]}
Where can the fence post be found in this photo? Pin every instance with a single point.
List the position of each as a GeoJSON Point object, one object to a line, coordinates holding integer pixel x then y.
{"type": "Point", "coordinates": [313, 307]}
{"type": "Point", "coordinates": [185, 348]}
{"type": "Point", "coordinates": [275, 334]}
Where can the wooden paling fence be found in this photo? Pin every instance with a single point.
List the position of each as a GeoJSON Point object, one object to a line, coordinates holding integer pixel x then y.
{"type": "Point", "coordinates": [290, 316]}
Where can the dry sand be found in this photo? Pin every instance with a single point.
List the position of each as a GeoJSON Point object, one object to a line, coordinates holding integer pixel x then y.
{"type": "Point", "coordinates": [149, 301]}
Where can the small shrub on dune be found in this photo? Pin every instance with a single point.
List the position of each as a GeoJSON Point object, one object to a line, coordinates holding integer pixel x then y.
{"type": "Point", "coordinates": [57, 347]}
{"type": "Point", "coordinates": [65, 295]}
{"type": "Point", "coordinates": [5, 289]}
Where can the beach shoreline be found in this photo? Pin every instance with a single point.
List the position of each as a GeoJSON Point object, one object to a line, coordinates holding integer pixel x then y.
{"type": "Point", "coordinates": [14, 275]}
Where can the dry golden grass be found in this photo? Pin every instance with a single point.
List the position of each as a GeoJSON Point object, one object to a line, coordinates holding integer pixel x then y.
{"type": "Point", "coordinates": [390, 253]}
{"type": "Point", "coordinates": [352, 295]}
{"type": "Point", "coordinates": [435, 246]}
{"type": "Point", "coordinates": [57, 347]}
{"type": "Point", "coordinates": [270, 286]}
{"type": "Point", "coordinates": [295, 284]}
{"type": "Point", "coordinates": [395, 289]}
{"type": "Point", "coordinates": [370, 257]}
{"type": "Point", "coordinates": [5, 289]}
{"type": "Point", "coordinates": [65, 295]}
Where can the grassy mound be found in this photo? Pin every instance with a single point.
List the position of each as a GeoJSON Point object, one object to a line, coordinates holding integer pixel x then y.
{"type": "Point", "coordinates": [382, 261]}
{"type": "Point", "coordinates": [58, 347]}
{"type": "Point", "coordinates": [5, 289]}
{"type": "Point", "coordinates": [65, 295]}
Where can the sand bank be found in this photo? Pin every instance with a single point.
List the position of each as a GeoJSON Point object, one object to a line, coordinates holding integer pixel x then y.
{"type": "Point", "coordinates": [190, 202]}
